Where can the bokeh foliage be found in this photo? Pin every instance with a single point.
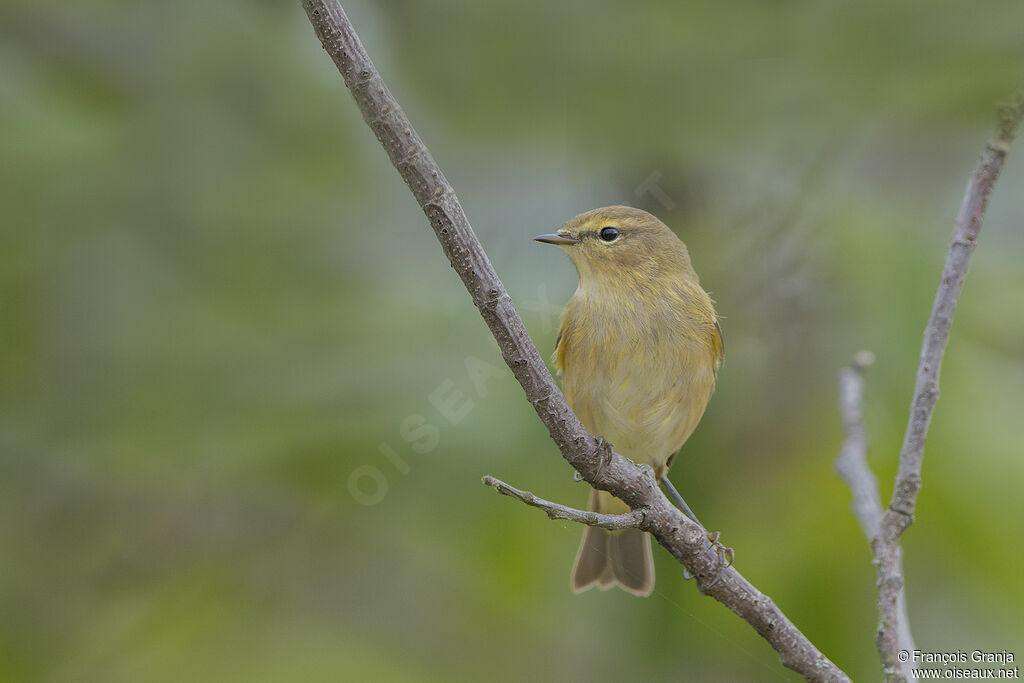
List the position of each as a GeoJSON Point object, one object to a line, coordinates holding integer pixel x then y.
{"type": "Point", "coordinates": [217, 300]}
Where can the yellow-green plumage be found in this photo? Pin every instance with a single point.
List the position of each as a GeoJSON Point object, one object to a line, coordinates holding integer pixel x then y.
{"type": "Point", "coordinates": [638, 351]}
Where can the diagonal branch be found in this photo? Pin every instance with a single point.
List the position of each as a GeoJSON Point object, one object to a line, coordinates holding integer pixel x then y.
{"type": "Point", "coordinates": [600, 467]}
{"type": "Point", "coordinates": [900, 514]}
{"type": "Point", "coordinates": [852, 466]}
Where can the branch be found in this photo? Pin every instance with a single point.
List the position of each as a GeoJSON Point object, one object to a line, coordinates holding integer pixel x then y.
{"type": "Point", "coordinates": [631, 520]}
{"type": "Point", "coordinates": [600, 467]}
{"type": "Point", "coordinates": [852, 466]}
{"type": "Point", "coordinates": [900, 514]}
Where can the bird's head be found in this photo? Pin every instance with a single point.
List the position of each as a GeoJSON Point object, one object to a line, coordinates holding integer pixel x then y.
{"type": "Point", "coordinates": [620, 242]}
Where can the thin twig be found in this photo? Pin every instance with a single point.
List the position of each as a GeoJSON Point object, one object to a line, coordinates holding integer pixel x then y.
{"type": "Point", "coordinates": [601, 468]}
{"type": "Point", "coordinates": [900, 514]}
{"type": "Point", "coordinates": [852, 466]}
{"type": "Point", "coordinates": [630, 520]}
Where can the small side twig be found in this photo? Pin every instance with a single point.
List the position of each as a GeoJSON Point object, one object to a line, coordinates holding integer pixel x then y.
{"type": "Point", "coordinates": [630, 520]}
{"type": "Point", "coordinates": [900, 513]}
{"type": "Point", "coordinates": [852, 466]}
{"type": "Point", "coordinates": [852, 463]}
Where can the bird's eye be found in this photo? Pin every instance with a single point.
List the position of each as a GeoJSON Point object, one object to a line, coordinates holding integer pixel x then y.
{"type": "Point", "coordinates": [609, 234]}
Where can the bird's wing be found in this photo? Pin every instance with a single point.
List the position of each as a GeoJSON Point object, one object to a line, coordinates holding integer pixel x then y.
{"type": "Point", "coordinates": [719, 344]}
{"type": "Point", "coordinates": [559, 356]}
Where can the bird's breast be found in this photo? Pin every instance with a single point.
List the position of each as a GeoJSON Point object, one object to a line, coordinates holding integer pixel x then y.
{"type": "Point", "coordinates": [638, 374]}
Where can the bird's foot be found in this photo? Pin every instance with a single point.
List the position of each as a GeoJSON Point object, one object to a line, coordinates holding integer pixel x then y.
{"type": "Point", "coordinates": [726, 556]}
{"type": "Point", "coordinates": [604, 453]}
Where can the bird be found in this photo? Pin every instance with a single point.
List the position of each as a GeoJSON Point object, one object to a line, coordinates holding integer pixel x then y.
{"type": "Point", "coordinates": [638, 352]}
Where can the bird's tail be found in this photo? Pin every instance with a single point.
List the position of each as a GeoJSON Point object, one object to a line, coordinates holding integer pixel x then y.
{"type": "Point", "coordinates": [613, 558]}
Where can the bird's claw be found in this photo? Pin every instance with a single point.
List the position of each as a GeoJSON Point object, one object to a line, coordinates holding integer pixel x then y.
{"type": "Point", "coordinates": [726, 556]}
{"type": "Point", "coordinates": [604, 453]}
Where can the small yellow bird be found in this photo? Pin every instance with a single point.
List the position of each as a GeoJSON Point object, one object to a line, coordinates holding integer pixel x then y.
{"type": "Point", "coordinates": [638, 352]}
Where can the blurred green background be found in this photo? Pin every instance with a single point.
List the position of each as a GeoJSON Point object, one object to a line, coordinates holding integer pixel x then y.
{"type": "Point", "coordinates": [223, 317]}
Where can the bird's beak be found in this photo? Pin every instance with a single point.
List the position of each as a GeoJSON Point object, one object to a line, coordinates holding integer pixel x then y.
{"type": "Point", "coordinates": [557, 238]}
